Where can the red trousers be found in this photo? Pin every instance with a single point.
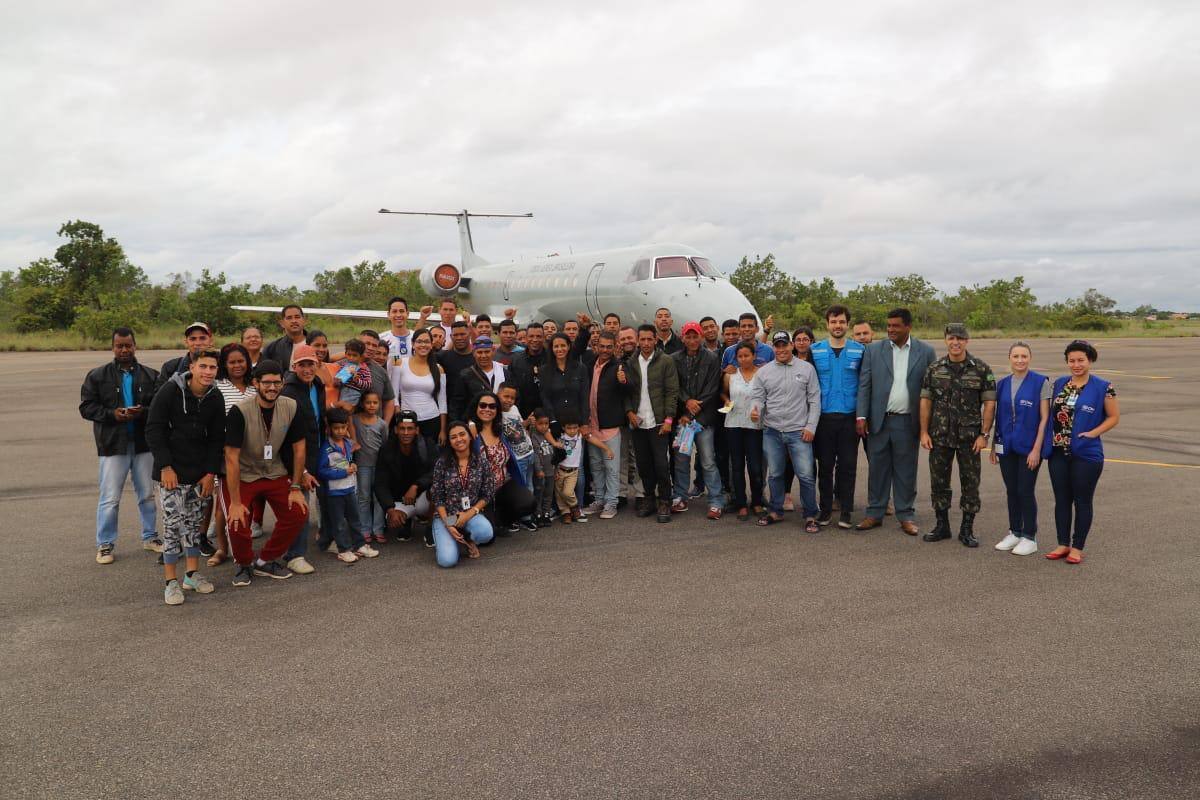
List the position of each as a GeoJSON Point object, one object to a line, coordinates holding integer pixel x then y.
{"type": "Point", "coordinates": [288, 521]}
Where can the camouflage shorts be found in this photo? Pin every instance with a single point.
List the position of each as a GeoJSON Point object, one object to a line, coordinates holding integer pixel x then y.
{"type": "Point", "coordinates": [183, 514]}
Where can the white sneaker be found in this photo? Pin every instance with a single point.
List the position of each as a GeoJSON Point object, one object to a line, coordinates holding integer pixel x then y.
{"type": "Point", "coordinates": [1025, 547]}
{"type": "Point", "coordinates": [366, 551]}
{"type": "Point", "coordinates": [347, 557]}
{"type": "Point", "coordinates": [256, 531]}
{"type": "Point", "coordinates": [1008, 542]}
{"type": "Point", "coordinates": [300, 566]}
{"type": "Point", "coordinates": [173, 595]}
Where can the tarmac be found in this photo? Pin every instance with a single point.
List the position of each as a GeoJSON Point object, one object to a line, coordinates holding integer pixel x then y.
{"type": "Point", "coordinates": [619, 658]}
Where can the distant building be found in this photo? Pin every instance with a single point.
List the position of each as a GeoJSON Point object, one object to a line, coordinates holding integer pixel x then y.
{"type": "Point", "coordinates": [1152, 318]}
{"type": "Point", "coordinates": [1179, 315]}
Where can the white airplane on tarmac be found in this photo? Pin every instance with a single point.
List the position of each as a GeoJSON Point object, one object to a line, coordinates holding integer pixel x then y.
{"type": "Point", "coordinates": [632, 282]}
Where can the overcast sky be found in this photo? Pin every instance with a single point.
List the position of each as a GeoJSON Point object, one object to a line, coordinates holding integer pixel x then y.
{"type": "Point", "coordinates": [962, 141]}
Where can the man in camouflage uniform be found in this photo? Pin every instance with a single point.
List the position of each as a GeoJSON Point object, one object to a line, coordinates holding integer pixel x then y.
{"type": "Point", "coordinates": [958, 401]}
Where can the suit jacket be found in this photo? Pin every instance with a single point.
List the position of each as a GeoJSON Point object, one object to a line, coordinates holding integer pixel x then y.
{"type": "Point", "coordinates": [875, 382]}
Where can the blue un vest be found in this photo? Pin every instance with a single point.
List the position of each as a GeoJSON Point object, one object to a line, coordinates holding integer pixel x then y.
{"type": "Point", "coordinates": [1017, 425]}
{"type": "Point", "coordinates": [838, 376]}
{"type": "Point", "coordinates": [1089, 413]}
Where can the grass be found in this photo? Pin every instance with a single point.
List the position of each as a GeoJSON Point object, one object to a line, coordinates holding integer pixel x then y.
{"type": "Point", "coordinates": [339, 330]}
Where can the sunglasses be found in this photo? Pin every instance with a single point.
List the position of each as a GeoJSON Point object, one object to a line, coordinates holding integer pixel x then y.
{"type": "Point", "coordinates": [487, 405]}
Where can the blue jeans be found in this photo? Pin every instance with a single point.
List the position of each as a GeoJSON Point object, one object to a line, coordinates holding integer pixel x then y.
{"type": "Point", "coordinates": [782, 447]}
{"type": "Point", "coordinates": [113, 470]}
{"type": "Point", "coordinates": [477, 528]}
{"type": "Point", "coordinates": [336, 509]}
{"type": "Point", "coordinates": [1074, 481]}
{"type": "Point", "coordinates": [606, 472]}
{"type": "Point", "coordinates": [1020, 483]}
{"type": "Point", "coordinates": [369, 512]}
{"type": "Point", "coordinates": [707, 458]}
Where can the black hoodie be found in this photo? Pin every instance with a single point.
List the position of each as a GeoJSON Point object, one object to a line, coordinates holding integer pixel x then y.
{"type": "Point", "coordinates": [185, 432]}
{"type": "Point", "coordinates": [314, 424]}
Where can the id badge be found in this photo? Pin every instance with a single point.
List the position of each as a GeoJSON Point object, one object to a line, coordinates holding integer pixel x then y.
{"type": "Point", "coordinates": [1071, 401]}
{"type": "Point", "coordinates": [268, 451]}
{"type": "Point", "coordinates": [466, 502]}
{"type": "Point", "coordinates": [998, 448]}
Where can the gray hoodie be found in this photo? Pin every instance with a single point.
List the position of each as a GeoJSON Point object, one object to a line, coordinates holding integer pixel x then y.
{"type": "Point", "coordinates": [788, 396]}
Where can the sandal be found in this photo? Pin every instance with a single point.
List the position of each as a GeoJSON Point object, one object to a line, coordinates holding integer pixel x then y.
{"type": "Point", "coordinates": [216, 559]}
{"type": "Point", "coordinates": [811, 526]}
{"type": "Point", "coordinates": [743, 515]}
{"type": "Point", "coordinates": [768, 519]}
{"type": "Point", "coordinates": [472, 549]}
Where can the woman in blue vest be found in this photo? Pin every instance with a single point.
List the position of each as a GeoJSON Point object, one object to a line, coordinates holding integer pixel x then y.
{"type": "Point", "coordinates": [1022, 410]}
{"type": "Point", "coordinates": [1082, 409]}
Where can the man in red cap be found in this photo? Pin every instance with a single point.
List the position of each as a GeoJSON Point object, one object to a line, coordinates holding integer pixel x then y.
{"type": "Point", "coordinates": [699, 398]}
{"type": "Point", "coordinates": [303, 386]}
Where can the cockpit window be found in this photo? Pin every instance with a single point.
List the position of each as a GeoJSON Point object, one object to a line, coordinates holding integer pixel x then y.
{"type": "Point", "coordinates": [640, 271]}
{"type": "Point", "coordinates": [673, 267]}
{"type": "Point", "coordinates": [705, 267]}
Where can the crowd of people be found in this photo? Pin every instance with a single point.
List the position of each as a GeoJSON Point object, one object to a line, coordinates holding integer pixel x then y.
{"type": "Point", "coordinates": [461, 430]}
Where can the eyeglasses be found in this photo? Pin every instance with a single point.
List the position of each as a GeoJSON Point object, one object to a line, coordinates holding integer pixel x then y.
{"type": "Point", "coordinates": [492, 406]}
{"type": "Point", "coordinates": [270, 383]}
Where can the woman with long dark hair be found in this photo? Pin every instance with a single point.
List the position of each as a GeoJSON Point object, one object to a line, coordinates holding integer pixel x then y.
{"type": "Point", "coordinates": [514, 501]}
{"type": "Point", "coordinates": [422, 387]}
{"type": "Point", "coordinates": [462, 488]}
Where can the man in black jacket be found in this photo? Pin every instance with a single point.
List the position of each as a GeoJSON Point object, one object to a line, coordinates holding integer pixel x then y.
{"type": "Point", "coordinates": [699, 398]}
{"type": "Point", "coordinates": [455, 358]}
{"type": "Point", "coordinates": [292, 321]}
{"type": "Point", "coordinates": [186, 433]}
{"type": "Point", "coordinates": [196, 338]}
{"type": "Point", "coordinates": [303, 386]}
{"type": "Point", "coordinates": [527, 367]}
{"type": "Point", "coordinates": [609, 385]}
{"type": "Point", "coordinates": [402, 476]}
{"type": "Point", "coordinates": [115, 398]}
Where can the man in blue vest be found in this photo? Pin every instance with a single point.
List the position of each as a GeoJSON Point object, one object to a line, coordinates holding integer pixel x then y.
{"type": "Point", "coordinates": [838, 362]}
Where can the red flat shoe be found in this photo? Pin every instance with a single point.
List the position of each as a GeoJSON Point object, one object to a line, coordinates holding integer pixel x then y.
{"type": "Point", "coordinates": [1054, 555]}
{"type": "Point", "coordinates": [1075, 559]}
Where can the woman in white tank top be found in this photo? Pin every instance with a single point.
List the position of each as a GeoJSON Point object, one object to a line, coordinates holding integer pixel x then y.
{"type": "Point", "coordinates": [421, 390]}
{"type": "Point", "coordinates": [743, 434]}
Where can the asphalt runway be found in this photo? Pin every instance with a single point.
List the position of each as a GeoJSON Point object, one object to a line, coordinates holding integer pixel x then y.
{"type": "Point", "coordinates": [619, 658]}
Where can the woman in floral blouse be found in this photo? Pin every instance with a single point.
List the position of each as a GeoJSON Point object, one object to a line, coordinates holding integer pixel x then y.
{"type": "Point", "coordinates": [463, 486]}
{"type": "Point", "coordinates": [513, 500]}
{"type": "Point", "coordinates": [1083, 407]}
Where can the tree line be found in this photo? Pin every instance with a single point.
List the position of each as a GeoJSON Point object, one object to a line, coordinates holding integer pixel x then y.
{"type": "Point", "coordinates": [89, 286]}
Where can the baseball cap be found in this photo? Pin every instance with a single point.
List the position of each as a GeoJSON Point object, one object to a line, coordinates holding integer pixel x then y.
{"type": "Point", "coordinates": [407, 416]}
{"type": "Point", "coordinates": [304, 352]}
{"type": "Point", "coordinates": [483, 341]}
{"type": "Point", "coordinates": [781, 336]}
{"type": "Point", "coordinates": [957, 329]}
{"type": "Point", "coordinates": [691, 327]}
{"type": "Point", "coordinates": [195, 325]}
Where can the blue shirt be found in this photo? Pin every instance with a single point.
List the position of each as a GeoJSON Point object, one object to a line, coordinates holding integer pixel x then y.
{"type": "Point", "coordinates": [127, 395]}
{"type": "Point", "coordinates": [764, 354]}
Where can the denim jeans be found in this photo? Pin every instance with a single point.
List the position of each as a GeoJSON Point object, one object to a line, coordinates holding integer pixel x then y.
{"type": "Point", "coordinates": [299, 546]}
{"type": "Point", "coordinates": [113, 470]}
{"type": "Point", "coordinates": [336, 509]}
{"type": "Point", "coordinates": [1074, 481]}
{"type": "Point", "coordinates": [369, 512]}
{"type": "Point", "coordinates": [606, 472]}
{"type": "Point", "coordinates": [477, 528]}
{"type": "Point", "coordinates": [1020, 482]}
{"type": "Point", "coordinates": [705, 455]}
{"type": "Point", "coordinates": [784, 447]}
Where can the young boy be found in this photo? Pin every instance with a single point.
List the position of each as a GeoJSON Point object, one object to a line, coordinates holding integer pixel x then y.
{"type": "Point", "coordinates": [518, 440]}
{"type": "Point", "coordinates": [571, 443]}
{"type": "Point", "coordinates": [339, 500]}
{"type": "Point", "coordinates": [186, 431]}
{"type": "Point", "coordinates": [353, 376]}
{"type": "Point", "coordinates": [542, 484]}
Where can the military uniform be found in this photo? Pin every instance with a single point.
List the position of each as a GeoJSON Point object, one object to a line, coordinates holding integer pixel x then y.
{"type": "Point", "coordinates": [958, 391]}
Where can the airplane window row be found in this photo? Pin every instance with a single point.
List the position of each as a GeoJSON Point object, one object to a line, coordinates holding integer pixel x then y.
{"type": "Point", "coordinates": [544, 282]}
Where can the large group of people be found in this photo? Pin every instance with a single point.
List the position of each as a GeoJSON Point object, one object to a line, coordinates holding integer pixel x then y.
{"type": "Point", "coordinates": [458, 431]}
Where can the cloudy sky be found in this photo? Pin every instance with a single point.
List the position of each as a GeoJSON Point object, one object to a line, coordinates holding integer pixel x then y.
{"type": "Point", "coordinates": [854, 140]}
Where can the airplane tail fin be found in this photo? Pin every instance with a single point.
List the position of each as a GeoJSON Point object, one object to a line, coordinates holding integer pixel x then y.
{"type": "Point", "coordinates": [470, 259]}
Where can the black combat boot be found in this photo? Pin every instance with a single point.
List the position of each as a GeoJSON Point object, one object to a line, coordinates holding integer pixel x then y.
{"type": "Point", "coordinates": [966, 531]}
{"type": "Point", "coordinates": [942, 529]}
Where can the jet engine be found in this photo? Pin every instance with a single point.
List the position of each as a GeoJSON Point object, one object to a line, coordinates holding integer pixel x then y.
{"type": "Point", "coordinates": [441, 279]}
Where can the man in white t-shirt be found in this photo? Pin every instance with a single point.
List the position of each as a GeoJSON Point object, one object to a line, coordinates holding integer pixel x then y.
{"type": "Point", "coordinates": [397, 340]}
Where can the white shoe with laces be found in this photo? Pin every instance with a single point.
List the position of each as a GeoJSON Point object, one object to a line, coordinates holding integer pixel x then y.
{"type": "Point", "coordinates": [366, 551]}
{"type": "Point", "coordinates": [1008, 542]}
{"type": "Point", "coordinates": [1025, 547]}
{"type": "Point", "coordinates": [347, 557]}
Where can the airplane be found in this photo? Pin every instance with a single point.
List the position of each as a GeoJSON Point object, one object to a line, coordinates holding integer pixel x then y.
{"type": "Point", "coordinates": [632, 282]}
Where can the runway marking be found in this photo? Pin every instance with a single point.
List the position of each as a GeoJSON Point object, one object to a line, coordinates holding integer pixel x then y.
{"type": "Point", "coordinates": [47, 369]}
{"type": "Point", "coordinates": [1132, 375]}
{"type": "Point", "coordinates": [1152, 463]}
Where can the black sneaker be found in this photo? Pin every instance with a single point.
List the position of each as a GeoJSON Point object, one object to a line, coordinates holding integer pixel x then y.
{"type": "Point", "coordinates": [844, 521]}
{"type": "Point", "coordinates": [527, 524]}
{"type": "Point", "coordinates": [427, 537]}
{"type": "Point", "coordinates": [273, 569]}
{"type": "Point", "coordinates": [405, 532]}
{"type": "Point", "coordinates": [206, 547]}
{"type": "Point", "coordinates": [825, 518]}
{"type": "Point", "coordinates": [242, 576]}
{"type": "Point", "coordinates": [513, 527]}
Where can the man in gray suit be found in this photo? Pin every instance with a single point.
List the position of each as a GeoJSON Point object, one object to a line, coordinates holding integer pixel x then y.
{"type": "Point", "coordinates": [889, 402]}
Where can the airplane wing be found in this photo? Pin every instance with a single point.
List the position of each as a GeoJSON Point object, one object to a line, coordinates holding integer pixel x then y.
{"type": "Point", "coordinates": [329, 312]}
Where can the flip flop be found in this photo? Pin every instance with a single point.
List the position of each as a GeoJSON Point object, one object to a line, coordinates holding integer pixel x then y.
{"type": "Point", "coordinates": [768, 519]}
{"type": "Point", "coordinates": [743, 515]}
{"type": "Point", "coordinates": [472, 549]}
{"type": "Point", "coordinates": [216, 559]}
{"type": "Point", "coordinates": [811, 526]}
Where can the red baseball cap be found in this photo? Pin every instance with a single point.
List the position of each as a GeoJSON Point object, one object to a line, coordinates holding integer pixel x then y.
{"type": "Point", "coordinates": [693, 327]}
{"type": "Point", "coordinates": [304, 352]}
